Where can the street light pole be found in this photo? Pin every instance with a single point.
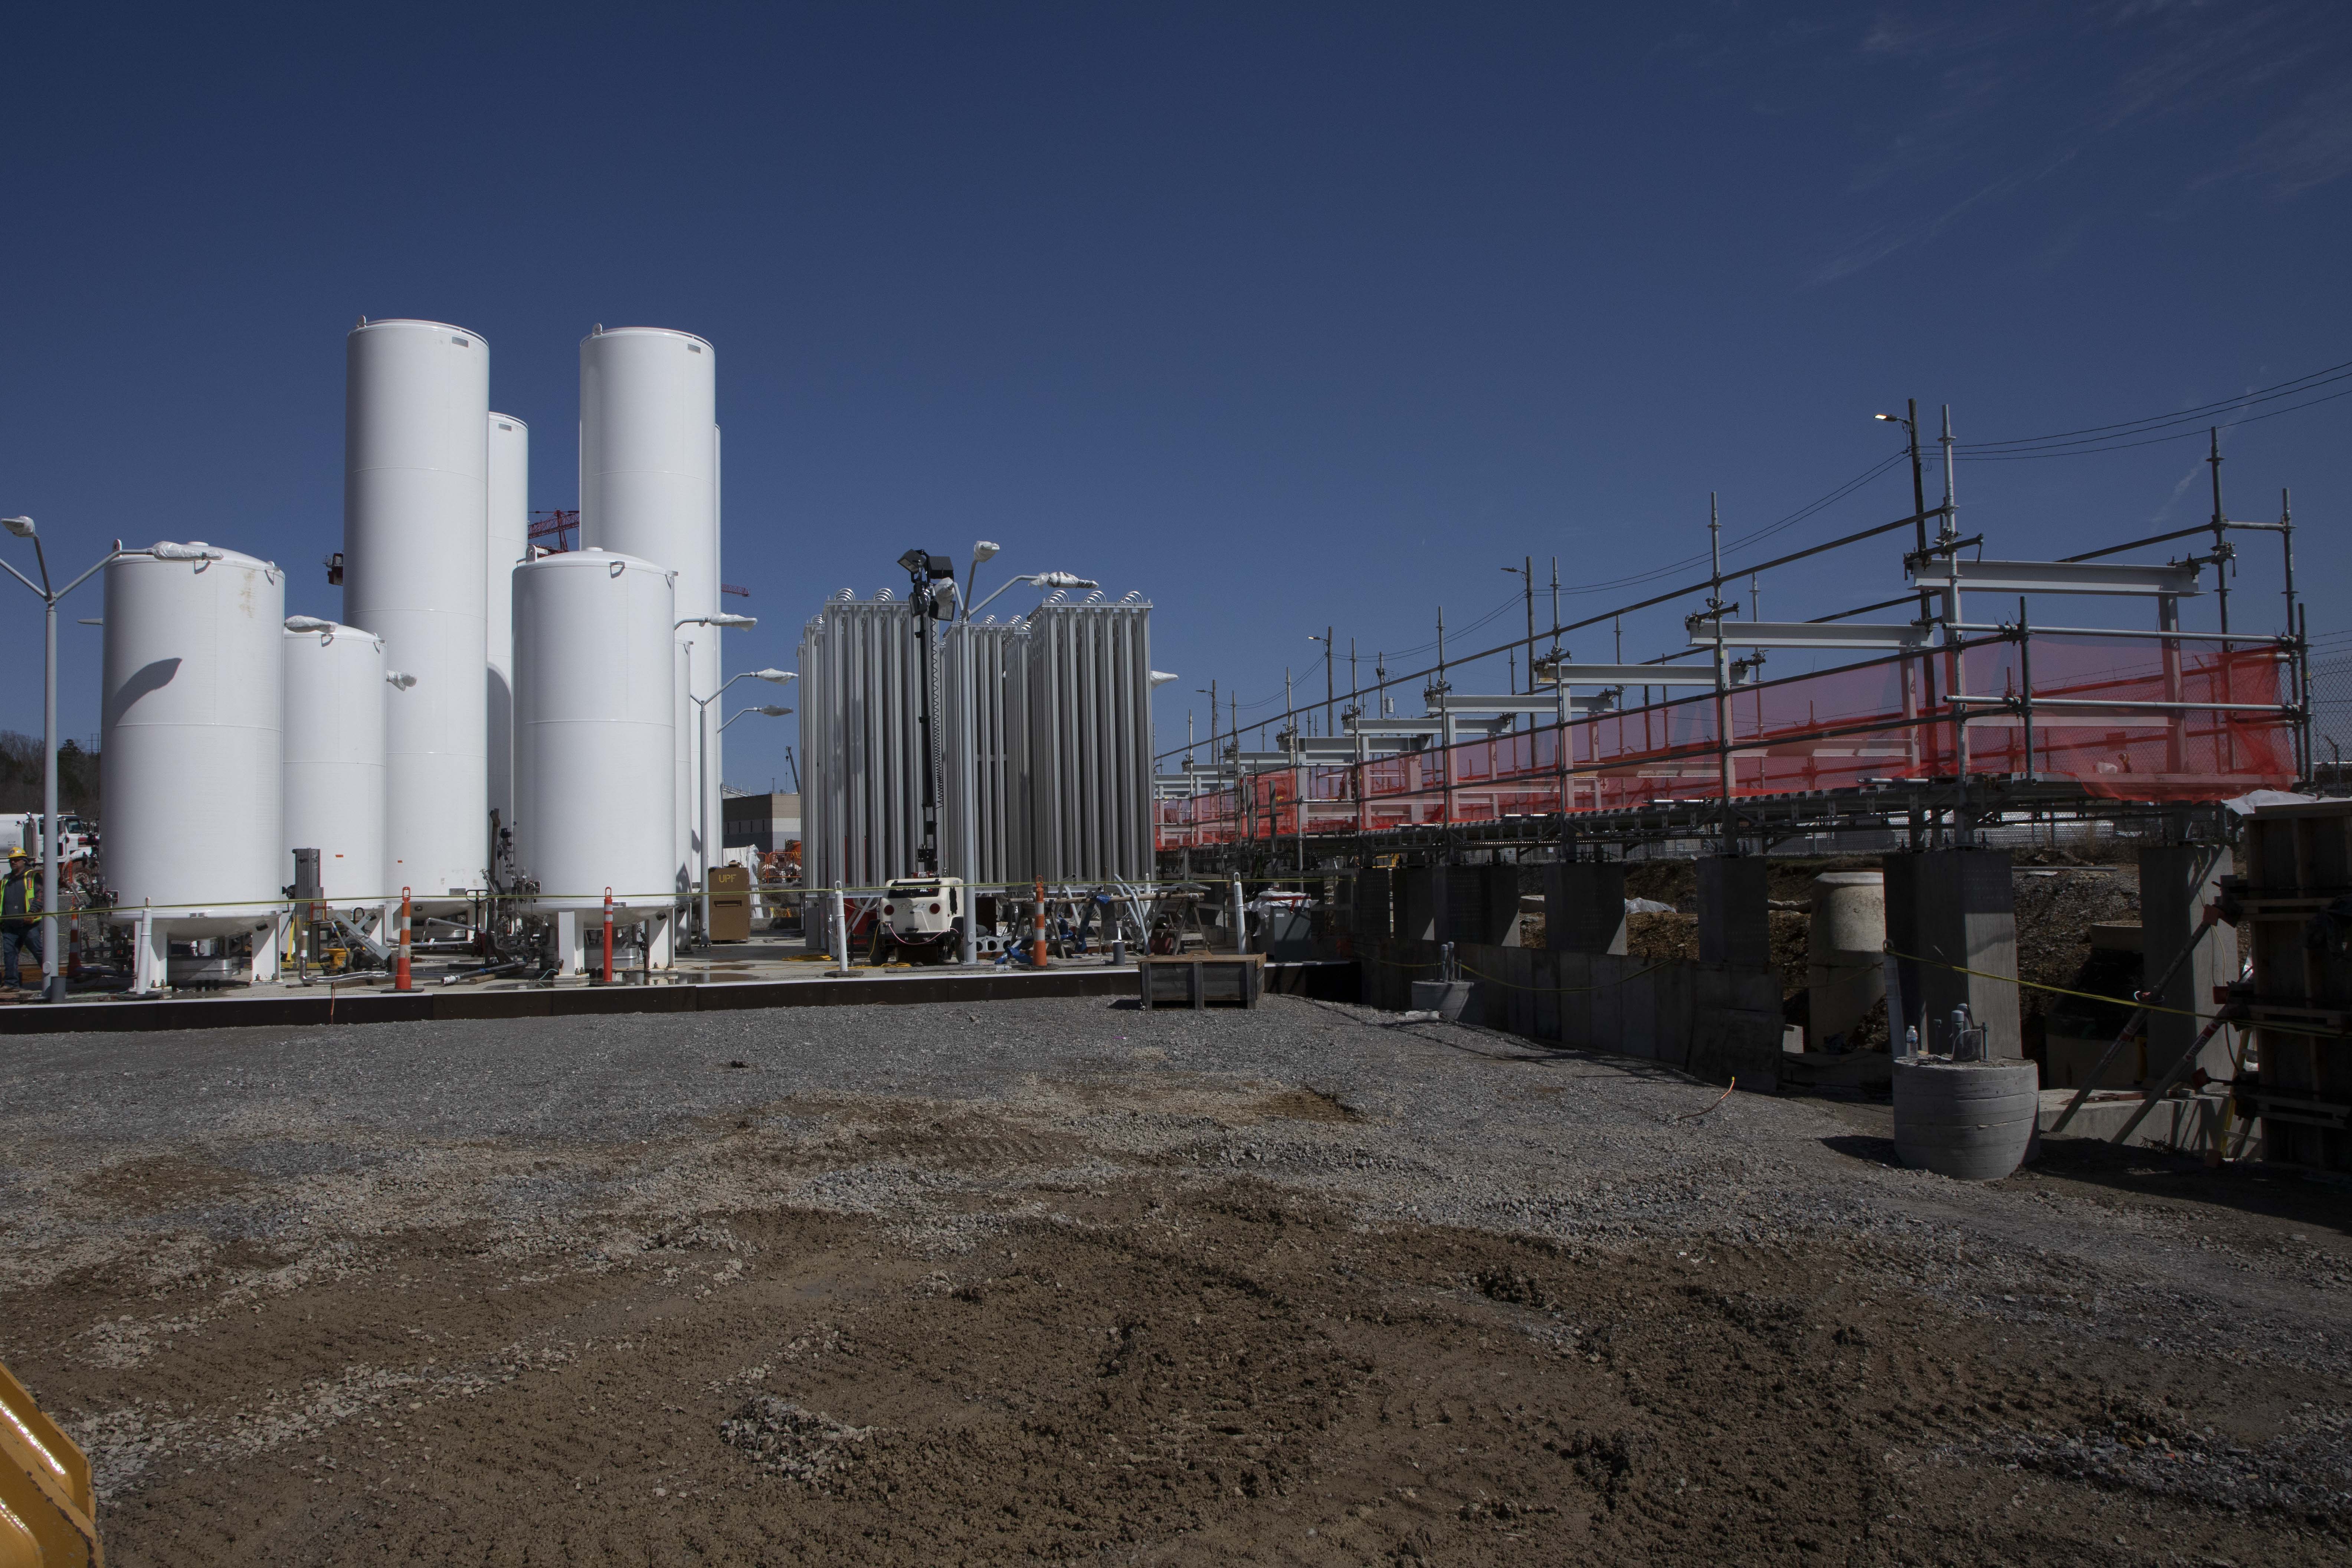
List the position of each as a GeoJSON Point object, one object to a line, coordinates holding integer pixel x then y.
{"type": "Point", "coordinates": [703, 733]}
{"type": "Point", "coordinates": [968, 717]}
{"type": "Point", "coordinates": [702, 747]}
{"type": "Point", "coordinates": [53, 985]}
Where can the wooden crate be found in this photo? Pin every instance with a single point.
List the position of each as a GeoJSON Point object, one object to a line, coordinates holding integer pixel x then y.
{"type": "Point", "coordinates": [1195, 979]}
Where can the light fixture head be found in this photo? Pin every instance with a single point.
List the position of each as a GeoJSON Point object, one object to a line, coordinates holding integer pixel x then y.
{"type": "Point", "coordinates": [772, 713]}
{"type": "Point", "coordinates": [777, 677]}
{"type": "Point", "coordinates": [735, 621]}
{"type": "Point", "coordinates": [21, 527]}
{"type": "Point", "coordinates": [1062, 580]}
{"type": "Point", "coordinates": [984, 550]}
{"type": "Point", "coordinates": [307, 624]}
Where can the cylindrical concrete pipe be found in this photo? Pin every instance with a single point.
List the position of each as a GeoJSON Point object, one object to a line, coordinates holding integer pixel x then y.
{"type": "Point", "coordinates": [1845, 969]}
{"type": "Point", "coordinates": [1970, 1120]}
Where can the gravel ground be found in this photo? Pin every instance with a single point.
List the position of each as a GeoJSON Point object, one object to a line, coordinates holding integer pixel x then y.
{"type": "Point", "coordinates": [1060, 1279]}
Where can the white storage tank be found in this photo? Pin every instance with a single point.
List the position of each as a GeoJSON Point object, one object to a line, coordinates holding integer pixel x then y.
{"type": "Point", "coordinates": [649, 488]}
{"type": "Point", "coordinates": [595, 784]}
{"type": "Point", "coordinates": [189, 755]}
{"type": "Point", "coordinates": [416, 539]}
{"type": "Point", "coordinates": [336, 715]}
{"type": "Point", "coordinates": [509, 541]}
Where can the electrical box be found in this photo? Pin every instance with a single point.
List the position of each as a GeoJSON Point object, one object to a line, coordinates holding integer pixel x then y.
{"type": "Point", "coordinates": [731, 903]}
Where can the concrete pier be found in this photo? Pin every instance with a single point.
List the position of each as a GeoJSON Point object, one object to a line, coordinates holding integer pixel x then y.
{"type": "Point", "coordinates": [1735, 916]}
{"type": "Point", "coordinates": [1954, 910]}
{"type": "Point", "coordinates": [1476, 904]}
{"type": "Point", "coordinates": [2175, 882]}
{"type": "Point", "coordinates": [1584, 906]}
{"type": "Point", "coordinates": [1416, 904]}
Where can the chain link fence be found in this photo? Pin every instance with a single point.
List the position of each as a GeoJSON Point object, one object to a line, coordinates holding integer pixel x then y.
{"type": "Point", "coordinates": [2331, 710]}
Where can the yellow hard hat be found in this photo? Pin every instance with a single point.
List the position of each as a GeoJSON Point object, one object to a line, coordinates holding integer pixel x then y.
{"type": "Point", "coordinates": [17, 853]}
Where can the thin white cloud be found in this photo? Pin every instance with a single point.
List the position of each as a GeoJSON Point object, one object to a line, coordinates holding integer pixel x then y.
{"type": "Point", "coordinates": [2012, 97]}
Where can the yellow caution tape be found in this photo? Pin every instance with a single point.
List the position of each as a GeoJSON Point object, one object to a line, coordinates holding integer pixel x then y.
{"type": "Point", "coordinates": [2123, 1002]}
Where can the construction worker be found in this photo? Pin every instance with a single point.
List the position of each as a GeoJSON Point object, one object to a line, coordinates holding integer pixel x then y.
{"type": "Point", "coordinates": [20, 909]}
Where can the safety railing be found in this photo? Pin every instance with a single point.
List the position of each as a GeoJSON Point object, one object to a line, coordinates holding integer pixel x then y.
{"type": "Point", "coordinates": [2138, 717]}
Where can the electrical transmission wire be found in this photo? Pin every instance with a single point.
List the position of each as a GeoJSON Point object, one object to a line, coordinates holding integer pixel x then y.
{"type": "Point", "coordinates": [1744, 540]}
{"type": "Point", "coordinates": [2160, 427]}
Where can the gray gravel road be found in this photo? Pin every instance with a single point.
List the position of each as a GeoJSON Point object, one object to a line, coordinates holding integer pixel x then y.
{"type": "Point", "coordinates": [318, 1140]}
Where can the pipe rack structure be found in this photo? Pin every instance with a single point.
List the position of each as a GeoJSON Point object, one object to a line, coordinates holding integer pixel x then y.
{"type": "Point", "coordinates": [1938, 724]}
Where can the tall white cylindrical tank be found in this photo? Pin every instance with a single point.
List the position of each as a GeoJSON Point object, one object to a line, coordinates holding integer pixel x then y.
{"type": "Point", "coordinates": [415, 525]}
{"type": "Point", "coordinates": [190, 759]}
{"type": "Point", "coordinates": [649, 486]}
{"type": "Point", "coordinates": [335, 727]}
{"type": "Point", "coordinates": [509, 541]}
{"type": "Point", "coordinates": [596, 786]}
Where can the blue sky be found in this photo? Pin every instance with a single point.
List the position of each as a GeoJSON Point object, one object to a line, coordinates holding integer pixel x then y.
{"type": "Point", "coordinates": [1287, 315]}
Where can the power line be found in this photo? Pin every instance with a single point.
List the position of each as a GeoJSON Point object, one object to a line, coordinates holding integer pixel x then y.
{"type": "Point", "coordinates": [1757, 537]}
{"type": "Point", "coordinates": [2198, 429]}
{"type": "Point", "coordinates": [2102, 437]}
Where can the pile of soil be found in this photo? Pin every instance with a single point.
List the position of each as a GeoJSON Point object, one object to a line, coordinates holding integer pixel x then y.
{"type": "Point", "coordinates": [1659, 938]}
{"type": "Point", "coordinates": [1675, 882]}
{"type": "Point", "coordinates": [2055, 914]}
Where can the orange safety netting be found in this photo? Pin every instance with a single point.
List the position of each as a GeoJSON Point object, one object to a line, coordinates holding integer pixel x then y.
{"type": "Point", "coordinates": [1890, 719]}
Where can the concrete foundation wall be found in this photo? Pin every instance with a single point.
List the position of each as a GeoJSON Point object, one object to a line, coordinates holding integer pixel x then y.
{"type": "Point", "coordinates": [1718, 1022]}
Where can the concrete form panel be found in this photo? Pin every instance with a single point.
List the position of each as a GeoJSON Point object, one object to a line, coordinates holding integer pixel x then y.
{"type": "Point", "coordinates": [1584, 906]}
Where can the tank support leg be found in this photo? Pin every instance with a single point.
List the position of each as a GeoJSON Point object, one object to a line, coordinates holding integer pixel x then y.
{"type": "Point", "coordinates": [151, 955]}
{"type": "Point", "coordinates": [266, 946]}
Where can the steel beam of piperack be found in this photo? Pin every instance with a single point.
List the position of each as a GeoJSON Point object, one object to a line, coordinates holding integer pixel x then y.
{"type": "Point", "coordinates": [1937, 724]}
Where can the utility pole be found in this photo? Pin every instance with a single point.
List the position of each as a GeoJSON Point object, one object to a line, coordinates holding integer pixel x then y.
{"type": "Point", "coordinates": [1755, 613]}
{"type": "Point", "coordinates": [54, 935]}
{"type": "Point", "coordinates": [2220, 541]}
{"type": "Point", "coordinates": [1526, 573]}
{"type": "Point", "coordinates": [1963, 830]}
{"type": "Point", "coordinates": [925, 572]}
{"type": "Point", "coordinates": [1728, 845]}
{"type": "Point", "coordinates": [1330, 695]}
{"type": "Point", "coordinates": [1555, 620]}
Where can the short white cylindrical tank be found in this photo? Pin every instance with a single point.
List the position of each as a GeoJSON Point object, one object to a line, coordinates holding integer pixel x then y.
{"type": "Point", "coordinates": [189, 762]}
{"type": "Point", "coordinates": [336, 715]}
{"type": "Point", "coordinates": [416, 539]}
{"type": "Point", "coordinates": [509, 541]}
{"type": "Point", "coordinates": [649, 483]}
{"type": "Point", "coordinates": [595, 787]}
